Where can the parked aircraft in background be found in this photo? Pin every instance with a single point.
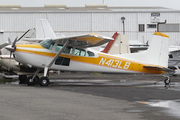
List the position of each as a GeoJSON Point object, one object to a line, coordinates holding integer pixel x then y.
{"type": "Point", "coordinates": [119, 45]}
{"type": "Point", "coordinates": [74, 54]}
{"type": "Point", "coordinates": [174, 59]}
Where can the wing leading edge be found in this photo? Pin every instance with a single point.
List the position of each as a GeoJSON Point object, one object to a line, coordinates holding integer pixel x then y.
{"type": "Point", "coordinates": [87, 40]}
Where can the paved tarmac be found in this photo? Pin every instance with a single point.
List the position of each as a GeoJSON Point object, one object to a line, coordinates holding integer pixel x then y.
{"type": "Point", "coordinates": [77, 96]}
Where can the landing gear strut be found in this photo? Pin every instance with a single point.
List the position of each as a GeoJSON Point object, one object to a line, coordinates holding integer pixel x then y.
{"type": "Point", "coordinates": [35, 80]}
{"type": "Point", "coordinates": [32, 82]}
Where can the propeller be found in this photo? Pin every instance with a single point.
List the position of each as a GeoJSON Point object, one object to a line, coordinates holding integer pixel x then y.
{"type": "Point", "coordinates": [11, 48]}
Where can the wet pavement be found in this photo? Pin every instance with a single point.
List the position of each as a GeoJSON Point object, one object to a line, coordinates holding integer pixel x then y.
{"type": "Point", "coordinates": [93, 96]}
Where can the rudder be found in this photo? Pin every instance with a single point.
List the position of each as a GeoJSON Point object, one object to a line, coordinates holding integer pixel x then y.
{"type": "Point", "coordinates": [43, 29]}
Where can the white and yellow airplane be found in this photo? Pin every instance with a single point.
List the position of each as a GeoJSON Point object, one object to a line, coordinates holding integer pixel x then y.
{"type": "Point", "coordinates": [74, 54]}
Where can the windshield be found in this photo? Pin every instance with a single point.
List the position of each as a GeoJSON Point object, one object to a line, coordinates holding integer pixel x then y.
{"type": "Point", "coordinates": [48, 44]}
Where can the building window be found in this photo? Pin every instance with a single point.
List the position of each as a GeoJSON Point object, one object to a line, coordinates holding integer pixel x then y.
{"type": "Point", "coordinates": [141, 28]}
{"type": "Point", "coordinates": [168, 27]}
{"type": "Point", "coordinates": [151, 25]}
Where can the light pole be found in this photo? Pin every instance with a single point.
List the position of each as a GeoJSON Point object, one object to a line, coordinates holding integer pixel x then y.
{"type": "Point", "coordinates": [123, 18]}
{"type": "Point", "coordinates": [160, 23]}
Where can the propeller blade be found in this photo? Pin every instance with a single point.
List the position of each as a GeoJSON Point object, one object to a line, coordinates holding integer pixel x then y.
{"type": "Point", "coordinates": [9, 40]}
{"type": "Point", "coordinates": [10, 62]}
{"type": "Point", "coordinates": [14, 43]}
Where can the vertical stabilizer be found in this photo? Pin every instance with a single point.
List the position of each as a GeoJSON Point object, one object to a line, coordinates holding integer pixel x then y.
{"type": "Point", "coordinates": [124, 44]}
{"type": "Point", "coordinates": [119, 45]}
{"type": "Point", "coordinates": [43, 29]}
{"type": "Point", "coordinates": [109, 45]}
{"type": "Point", "coordinates": [156, 54]}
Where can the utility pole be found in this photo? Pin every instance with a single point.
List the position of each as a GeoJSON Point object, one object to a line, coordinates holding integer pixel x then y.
{"type": "Point", "coordinates": [123, 18]}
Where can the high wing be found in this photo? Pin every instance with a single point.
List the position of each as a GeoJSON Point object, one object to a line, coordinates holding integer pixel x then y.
{"type": "Point", "coordinates": [33, 39]}
{"type": "Point", "coordinates": [175, 51]}
{"type": "Point", "coordinates": [87, 40]}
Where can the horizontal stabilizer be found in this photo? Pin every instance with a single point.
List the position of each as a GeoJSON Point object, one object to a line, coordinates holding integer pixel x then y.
{"type": "Point", "coordinates": [174, 51]}
{"type": "Point", "coordinates": [158, 68]}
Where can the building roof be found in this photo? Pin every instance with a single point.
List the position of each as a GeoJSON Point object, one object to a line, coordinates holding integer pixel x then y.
{"type": "Point", "coordinates": [87, 8]}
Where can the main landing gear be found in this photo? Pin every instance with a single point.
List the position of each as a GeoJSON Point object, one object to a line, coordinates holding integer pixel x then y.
{"type": "Point", "coordinates": [34, 80]}
{"type": "Point", "coordinates": [43, 81]}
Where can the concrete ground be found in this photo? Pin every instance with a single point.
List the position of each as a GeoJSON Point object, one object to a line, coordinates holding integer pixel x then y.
{"type": "Point", "coordinates": [77, 96]}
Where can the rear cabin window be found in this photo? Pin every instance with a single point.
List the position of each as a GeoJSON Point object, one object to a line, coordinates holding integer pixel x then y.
{"type": "Point", "coordinates": [79, 52]}
{"type": "Point", "coordinates": [90, 53]}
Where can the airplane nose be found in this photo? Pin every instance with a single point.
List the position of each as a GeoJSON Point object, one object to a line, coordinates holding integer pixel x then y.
{"type": "Point", "coordinates": [10, 48]}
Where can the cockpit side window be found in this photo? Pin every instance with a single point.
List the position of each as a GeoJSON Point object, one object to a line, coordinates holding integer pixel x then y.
{"type": "Point", "coordinates": [68, 49]}
{"type": "Point", "coordinates": [48, 44]}
{"type": "Point", "coordinates": [58, 47]}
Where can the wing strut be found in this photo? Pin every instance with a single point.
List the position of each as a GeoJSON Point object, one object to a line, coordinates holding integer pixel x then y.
{"type": "Point", "coordinates": [55, 58]}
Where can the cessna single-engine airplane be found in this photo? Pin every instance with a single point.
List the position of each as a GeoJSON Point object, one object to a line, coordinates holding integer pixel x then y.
{"type": "Point", "coordinates": [74, 54]}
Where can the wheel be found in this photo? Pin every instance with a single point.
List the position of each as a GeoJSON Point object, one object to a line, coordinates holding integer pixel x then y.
{"type": "Point", "coordinates": [167, 81]}
{"type": "Point", "coordinates": [31, 82]}
{"type": "Point", "coordinates": [44, 81]}
{"type": "Point", "coordinates": [37, 79]}
{"type": "Point", "coordinates": [22, 79]}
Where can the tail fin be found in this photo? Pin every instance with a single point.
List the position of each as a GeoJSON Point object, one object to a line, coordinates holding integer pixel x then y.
{"type": "Point", "coordinates": [43, 29]}
{"type": "Point", "coordinates": [157, 53]}
{"type": "Point", "coordinates": [119, 45]}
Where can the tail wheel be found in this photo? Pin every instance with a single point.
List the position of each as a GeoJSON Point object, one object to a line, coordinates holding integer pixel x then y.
{"type": "Point", "coordinates": [167, 81]}
{"type": "Point", "coordinates": [44, 81]}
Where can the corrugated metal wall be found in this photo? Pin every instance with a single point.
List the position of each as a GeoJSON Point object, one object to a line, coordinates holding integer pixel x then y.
{"type": "Point", "coordinates": [73, 23]}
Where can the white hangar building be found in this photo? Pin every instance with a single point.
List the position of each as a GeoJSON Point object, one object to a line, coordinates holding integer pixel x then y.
{"type": "Point", "coordinates": [139, 22]}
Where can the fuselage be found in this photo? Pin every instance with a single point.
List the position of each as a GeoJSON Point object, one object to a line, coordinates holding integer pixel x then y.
{"type": "Point", "coordinates": [77, 59]}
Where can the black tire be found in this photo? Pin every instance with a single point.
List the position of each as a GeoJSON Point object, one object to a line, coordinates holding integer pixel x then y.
{"type": "Point", "coordinates": [167, 81]}
{"type": "Point", "coordinates": [37, 79]}
{"type": "Point", "coordinates": [31, 82]}
{"type": "Point", "coordinates": [22, 79]}
{"type": "Point", "coordinates": [44, 81]}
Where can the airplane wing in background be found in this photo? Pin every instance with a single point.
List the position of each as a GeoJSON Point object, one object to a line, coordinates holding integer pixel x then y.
{"type": "Point", "coordinates": [87, 40]}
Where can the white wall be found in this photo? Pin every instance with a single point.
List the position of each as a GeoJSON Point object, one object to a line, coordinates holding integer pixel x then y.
{"type": "Point", "coordinates": [73, 23]}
